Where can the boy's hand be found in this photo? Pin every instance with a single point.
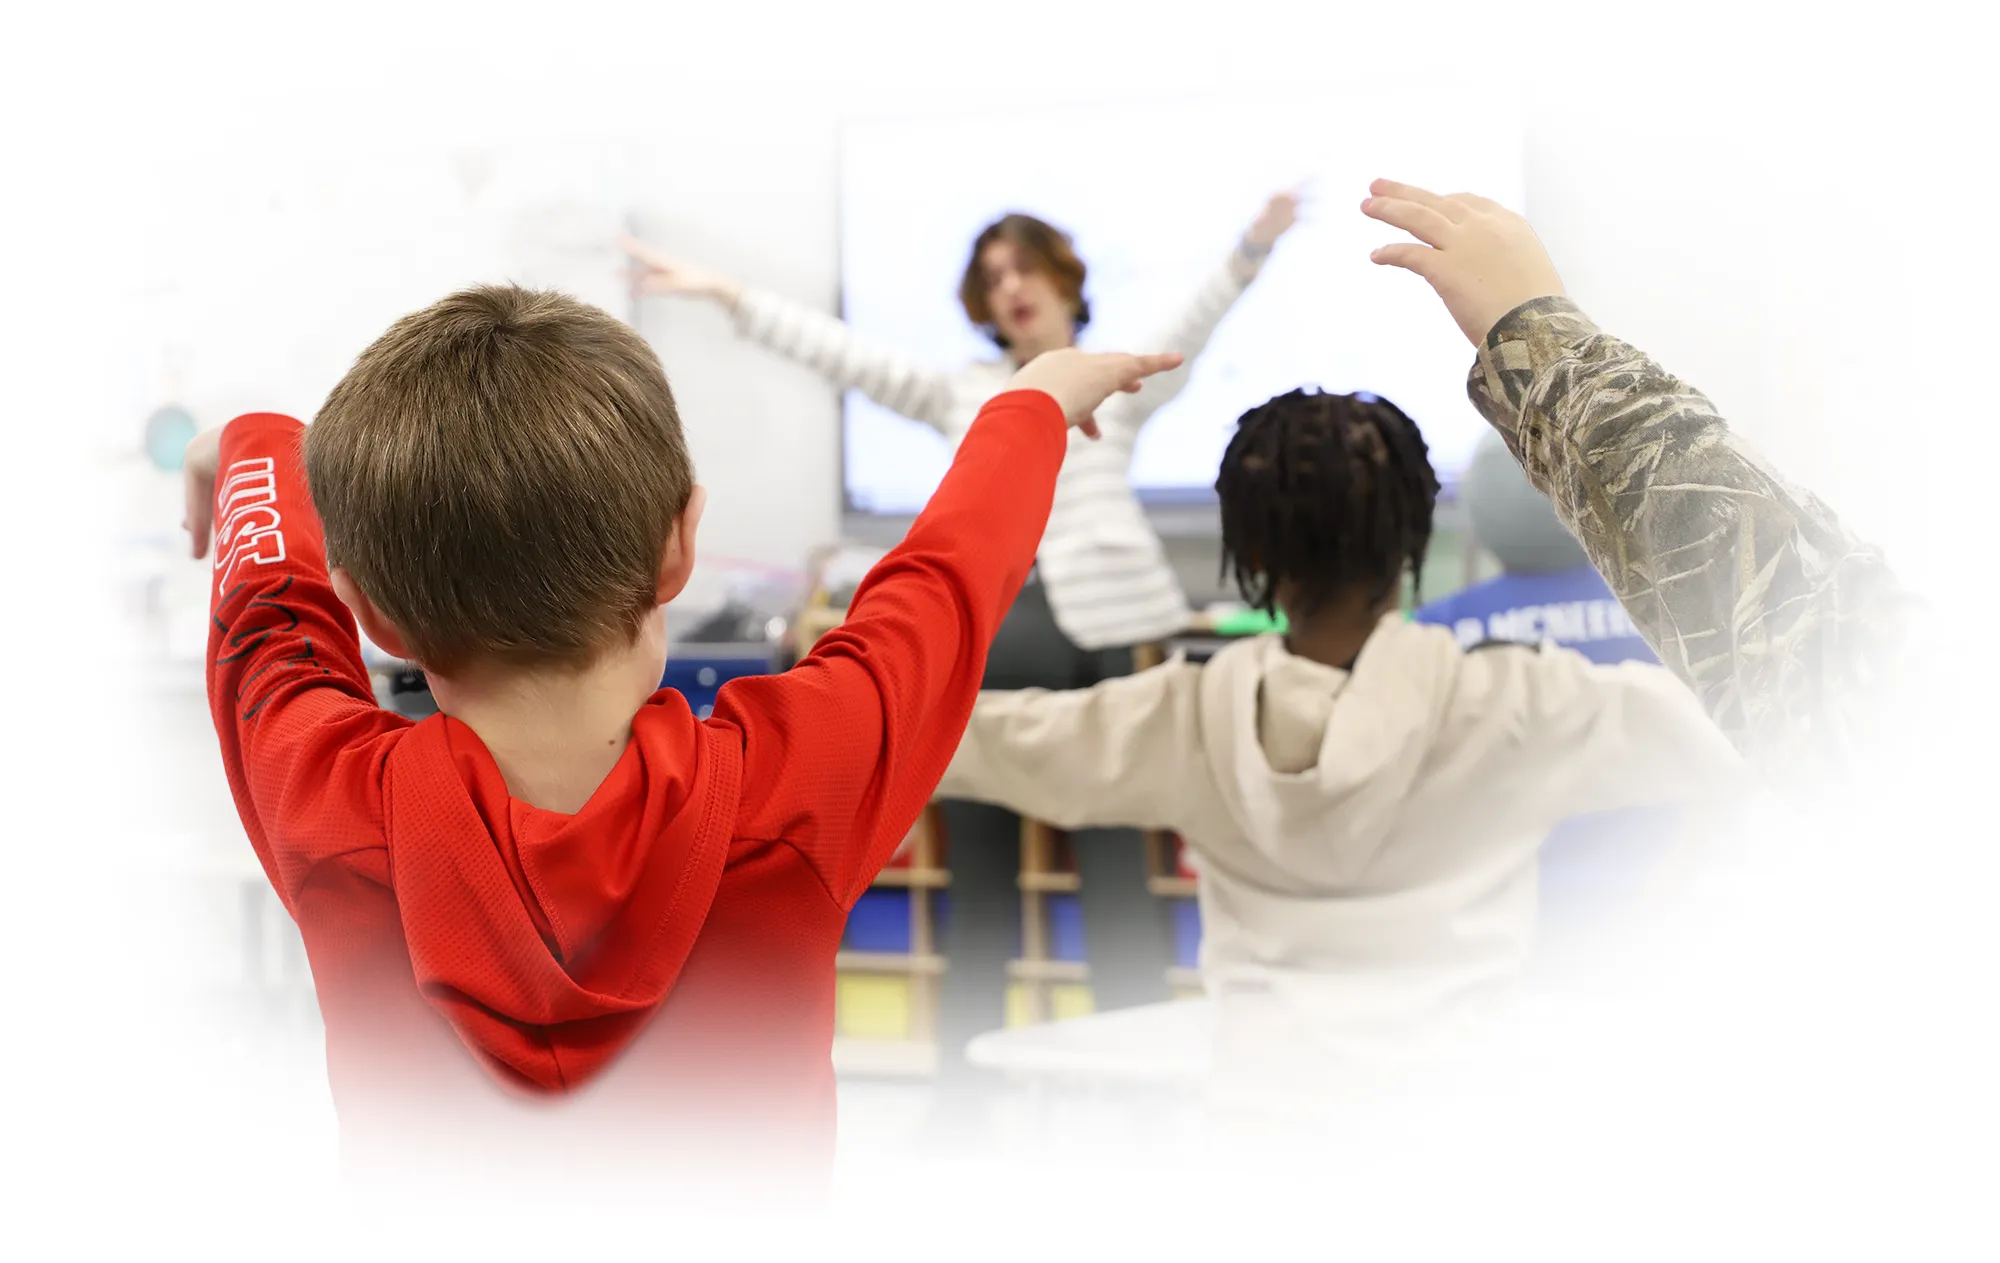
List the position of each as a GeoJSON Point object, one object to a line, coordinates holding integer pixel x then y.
{"type": "Point", "coordinates": [1480, 257]}
{"type": "Point", "coordinates": [198, 473]}
{"type": "Point", "coordinates": [659, 274]}
{"type": "Point", "coordinates": [1080, 381]}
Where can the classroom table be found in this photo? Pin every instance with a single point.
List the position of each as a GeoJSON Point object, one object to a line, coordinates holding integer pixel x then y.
{"type": "Point", "coordinates": [1153, 1045]}
{"type": "Point", "coordinates": [1130, 1081]}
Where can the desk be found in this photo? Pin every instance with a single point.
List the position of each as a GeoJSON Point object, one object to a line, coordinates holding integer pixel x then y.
{"type": "Point", "coordinates": [1130, 1082]}
{"type": "Point", "coordinates": [1155, 1045]}
{"type": "Point", "coordinates": [214, 875]}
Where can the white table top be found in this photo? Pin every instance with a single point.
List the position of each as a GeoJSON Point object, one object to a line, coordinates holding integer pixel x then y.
{"type": "Point", "coordinates": [1168, 1043]}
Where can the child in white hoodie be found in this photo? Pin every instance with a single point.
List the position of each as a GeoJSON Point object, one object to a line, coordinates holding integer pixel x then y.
{"type": "Point", "coordinates": [1365, 797]}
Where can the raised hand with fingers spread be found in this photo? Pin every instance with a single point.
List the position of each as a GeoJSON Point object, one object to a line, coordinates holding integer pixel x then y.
{"type": "Point", "coordinates": [1481, 258]}
{"type": "Point", "coordinates": [1788, 629]}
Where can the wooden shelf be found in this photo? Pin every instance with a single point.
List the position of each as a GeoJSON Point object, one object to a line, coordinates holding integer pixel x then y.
{"type": "Point", "coordinates": [1048, 971]}
{"type": "Point", "coordinates": [1051, 883]}
{"type": "Point", "coordinates": [888, 1058]}
{"type": "Point", "coordinates": [815, 621]}
{"type": "Point", "coordinates": [889, 963]}
{"type": "Point", "coordinates": [1043, 872]}
{"type": "Point", "coordinates": [919, 878]}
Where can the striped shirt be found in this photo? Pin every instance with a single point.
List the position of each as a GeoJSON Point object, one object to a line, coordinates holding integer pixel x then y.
{"type": "Point", "coordinates": [1105, 570]}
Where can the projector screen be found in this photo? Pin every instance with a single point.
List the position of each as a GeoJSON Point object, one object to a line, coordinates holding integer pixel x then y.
{"type": "Point", "coordinates": [1155, 198]}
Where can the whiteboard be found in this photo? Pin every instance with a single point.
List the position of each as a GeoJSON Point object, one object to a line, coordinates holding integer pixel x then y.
{"type": "Point", "coordinates": [1155, 197]}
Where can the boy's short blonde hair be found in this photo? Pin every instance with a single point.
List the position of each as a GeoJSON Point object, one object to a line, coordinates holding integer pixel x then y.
{"type": "Point", "coordinates": [500, 473]}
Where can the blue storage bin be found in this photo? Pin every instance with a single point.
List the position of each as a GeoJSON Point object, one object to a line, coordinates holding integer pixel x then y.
{"type": "Point", "coordinates": [1187, 933]}
{"type": "Point", "coordinates": [1065, 915]}
{"type": "Point", "coordinates": [698, 672]}
{"type": "Point", "coordinates": [1065, 927]}
{"type": "Point", "coordinates": [879, 922]}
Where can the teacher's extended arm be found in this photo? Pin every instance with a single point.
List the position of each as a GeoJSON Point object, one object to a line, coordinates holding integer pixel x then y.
{"type": "Point", "coordinates": [1189, 331]}
{"type": "Point", "coordinates": [812, 338]}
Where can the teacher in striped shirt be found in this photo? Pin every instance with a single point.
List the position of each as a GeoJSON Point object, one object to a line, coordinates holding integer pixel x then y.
{"type": "Point", "coordinates": [1101, 584]}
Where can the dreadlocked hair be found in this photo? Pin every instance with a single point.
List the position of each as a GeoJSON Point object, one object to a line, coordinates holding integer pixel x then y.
{"type": "Point", "coordinates": [1324, 492]}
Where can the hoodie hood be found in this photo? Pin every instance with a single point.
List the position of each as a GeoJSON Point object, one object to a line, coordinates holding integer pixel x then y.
{"type": "Point", "coordinates": [544, 939]}
{"type": "Point", "coordinates": [1371, 875]}
{"type": "Point", "coordinates": [1315, 763]}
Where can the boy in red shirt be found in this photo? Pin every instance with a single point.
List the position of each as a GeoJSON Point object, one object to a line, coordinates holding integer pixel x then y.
{"type": "Point", "coordinates": [564, 911]}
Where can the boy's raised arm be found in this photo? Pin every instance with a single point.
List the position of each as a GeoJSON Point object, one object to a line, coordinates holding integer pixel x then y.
{"type": "Point", "coordinates": [1621, 736]}
{"type": "Point", "coordinates": [293, 706]}
{"type": "Point", "coordinates": [842, 752]}
{"type": "Point", "coordinates": [1749, 589]}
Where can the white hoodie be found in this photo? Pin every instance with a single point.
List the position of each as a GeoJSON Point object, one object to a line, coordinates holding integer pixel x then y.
{"type": "Point", "coordinates": [1367, 839]}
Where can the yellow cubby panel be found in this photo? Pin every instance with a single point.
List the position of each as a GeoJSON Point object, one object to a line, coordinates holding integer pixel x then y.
{"type": "Point", "coordinates": [872, 1006]}
{"type": "Point", "coordinates": [1066, 1000]}
{"type": "Point", "coordinates": [1069, 1000]}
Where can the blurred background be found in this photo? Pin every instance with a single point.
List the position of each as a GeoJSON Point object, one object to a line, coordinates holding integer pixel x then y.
{"type": "Point", "coordinates": [218, 206]}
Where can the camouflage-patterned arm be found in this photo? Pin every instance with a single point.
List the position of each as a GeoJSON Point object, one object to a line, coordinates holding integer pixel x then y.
{"type": "Point", "coordinates": [1749, 589]}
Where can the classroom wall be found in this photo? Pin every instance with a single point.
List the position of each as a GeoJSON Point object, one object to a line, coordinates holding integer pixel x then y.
{"type": "Point", "coordinates": [1640, 197]}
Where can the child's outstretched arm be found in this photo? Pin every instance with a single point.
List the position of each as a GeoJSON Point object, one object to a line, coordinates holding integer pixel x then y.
{"type": "Point", "coordinates": [1126, 752]}
{"type": "Point", "coordinates": [820, 342]}
{"type": "Point", "coordinates": [1749, 589]}
{"type": "Point", "coordinates": [293, 705]}
{"type": "Point", "coordinates": [842, 752]}
{"type": "Point", "coordinates": [1607, 738]}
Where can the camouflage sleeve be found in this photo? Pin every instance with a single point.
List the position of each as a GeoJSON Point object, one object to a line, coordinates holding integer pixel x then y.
{"type": "Point", "coordinates": [1749, 589]}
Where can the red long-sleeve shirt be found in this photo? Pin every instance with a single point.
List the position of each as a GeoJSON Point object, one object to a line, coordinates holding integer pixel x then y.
{"type": "Point", "coordinates": [659, 965]}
